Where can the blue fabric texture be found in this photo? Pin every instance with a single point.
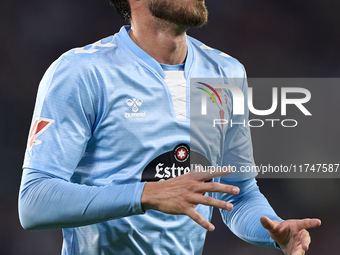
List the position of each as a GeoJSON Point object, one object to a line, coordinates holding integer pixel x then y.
{"type": "Point", "coordinates": [103, 113]}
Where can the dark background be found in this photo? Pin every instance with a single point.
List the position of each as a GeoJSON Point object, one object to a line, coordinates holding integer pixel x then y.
{"type": "Point", "coordinates": [279, 38]}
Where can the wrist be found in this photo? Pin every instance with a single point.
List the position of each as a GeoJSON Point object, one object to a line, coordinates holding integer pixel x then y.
{"type": "Point", "coordinates": [148, 196]}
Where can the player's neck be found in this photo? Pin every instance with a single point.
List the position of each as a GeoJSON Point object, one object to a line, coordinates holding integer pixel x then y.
{"type": "Point", "coordinates": [162, 40]}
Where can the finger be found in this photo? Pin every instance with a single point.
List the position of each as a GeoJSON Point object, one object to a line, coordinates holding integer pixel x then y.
{"type": "Point", "coordinates": [219, 187]}
{"type": "Point", "coordinates": [200, 220]}
{"type": "Point", "coordinates": [267, 223]}
{"type": "Point", "coordinates": [209, 172]}
{"type": "Point", "coordinates": [209, 201]}
{"type": "Point", "coordinates": [309, 223]}
{"type": "Point", "coordinates": [305, 240]}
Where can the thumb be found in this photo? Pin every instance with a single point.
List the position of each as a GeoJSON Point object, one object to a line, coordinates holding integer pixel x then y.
{"type": "Point", "coordinates": [267, 223]}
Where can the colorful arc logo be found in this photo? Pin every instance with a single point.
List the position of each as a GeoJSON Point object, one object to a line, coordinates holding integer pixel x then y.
{"type": "Point", "coordinates": [211, 95]}
{"type": "Point", "coordinates": [217, 103]}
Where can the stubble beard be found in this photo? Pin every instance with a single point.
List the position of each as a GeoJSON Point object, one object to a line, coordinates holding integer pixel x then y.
{"type": "Point", "coordinates": [187, 16]}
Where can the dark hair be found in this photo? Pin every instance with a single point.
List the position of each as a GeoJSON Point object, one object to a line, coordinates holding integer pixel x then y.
{"type": "Point", "coordinates": [123, 8]}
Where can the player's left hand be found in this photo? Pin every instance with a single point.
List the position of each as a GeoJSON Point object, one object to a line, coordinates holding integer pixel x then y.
{"type": "Point", "coordinates": [291, 235]}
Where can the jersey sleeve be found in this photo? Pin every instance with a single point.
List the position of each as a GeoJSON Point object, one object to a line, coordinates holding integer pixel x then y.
{"type": "Point", "coordinates": [62, 121]}
{"type": "Point", "coordinates": [249, 206]}
{"type": "Point", "coordinates": [46, 202]}
{"type": "Point", "coordinates": [62, 124]}
{"type": "Point", "coordinates": [238, 150]}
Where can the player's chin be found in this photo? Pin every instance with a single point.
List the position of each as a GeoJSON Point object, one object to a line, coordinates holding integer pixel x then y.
{"type": "Point", "coordinates": [197, 21]}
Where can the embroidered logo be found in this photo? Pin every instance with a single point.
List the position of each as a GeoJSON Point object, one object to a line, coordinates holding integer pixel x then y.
{"type": "Point", "coordinates": [135, 104]}
{"type": "Point", "coordinates": [39, 126]}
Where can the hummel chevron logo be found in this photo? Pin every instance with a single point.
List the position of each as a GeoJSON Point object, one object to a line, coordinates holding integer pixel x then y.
{"type": "Point", "coordinates": [134, 104]}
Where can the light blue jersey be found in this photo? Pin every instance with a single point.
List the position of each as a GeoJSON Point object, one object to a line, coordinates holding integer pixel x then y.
{"type": "Point", "coordinates": [105, 118]}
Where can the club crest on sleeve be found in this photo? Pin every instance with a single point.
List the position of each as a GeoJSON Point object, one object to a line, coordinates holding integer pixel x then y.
{"type": "Point", "coordinates": [39, 126]}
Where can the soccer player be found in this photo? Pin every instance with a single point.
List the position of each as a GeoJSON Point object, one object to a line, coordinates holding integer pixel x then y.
{"type": "Point", "coordinates": [108, 150]}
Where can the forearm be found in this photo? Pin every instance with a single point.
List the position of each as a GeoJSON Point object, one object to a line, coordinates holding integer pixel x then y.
{"type": "Point", "coordinates": [249, 206]}
{"type": "Point", "coordinates": [47, 202]}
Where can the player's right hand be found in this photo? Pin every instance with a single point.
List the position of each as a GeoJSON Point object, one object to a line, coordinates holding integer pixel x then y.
{"type": "Point", "coordinates": [182, 194]}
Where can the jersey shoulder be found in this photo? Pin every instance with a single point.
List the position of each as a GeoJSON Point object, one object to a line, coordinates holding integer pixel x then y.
{"type": "Point", "coordinates": [78, 68]}
{"type": "Point", "coordinates": [94, 54]}
{"type": "Point", "coordinates": [215, 56]}
{"type": "Point", "coordinates": [82, 64]}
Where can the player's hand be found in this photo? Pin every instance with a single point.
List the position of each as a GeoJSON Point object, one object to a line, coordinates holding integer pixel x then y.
{"type": "Point", "coordinates": [182, 194]}
{"type": "Point", "coordinates": [291, 235]}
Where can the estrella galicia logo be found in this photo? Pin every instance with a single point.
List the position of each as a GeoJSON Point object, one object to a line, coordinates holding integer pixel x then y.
{"type": "Point", "coordinates": [181, 152]}
{"type": "Point", "coordinates": [180, 160]}
{"type": "Point", "coordinates": [134, 104]}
